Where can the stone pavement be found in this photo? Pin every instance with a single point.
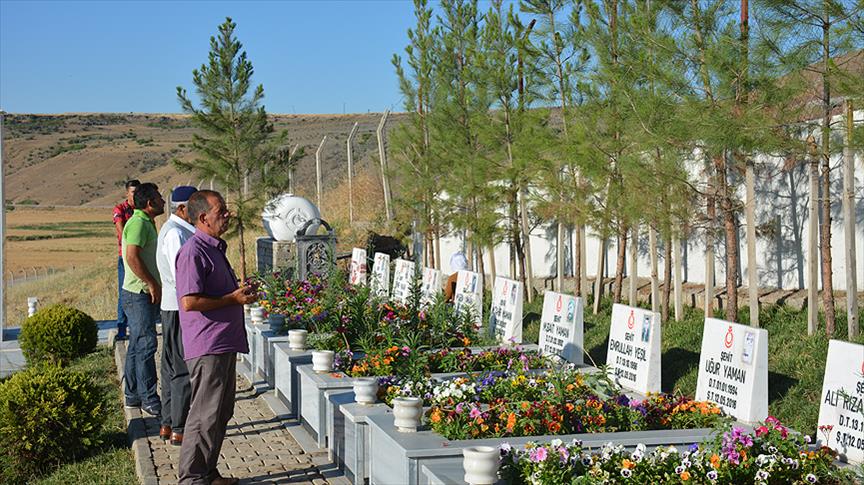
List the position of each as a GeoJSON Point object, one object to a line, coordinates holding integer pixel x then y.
{"type": "Point", "coordinates": [257, 448]}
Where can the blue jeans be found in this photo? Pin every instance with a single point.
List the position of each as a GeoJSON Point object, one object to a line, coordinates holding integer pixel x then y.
{"type": "Point", "coordinates": [122, 321]}
{"type": "Point", "coordinates": [140, 371]}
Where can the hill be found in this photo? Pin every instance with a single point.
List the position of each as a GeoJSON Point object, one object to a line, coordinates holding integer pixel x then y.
{"type": "Point", "coordinates": [83, 158]}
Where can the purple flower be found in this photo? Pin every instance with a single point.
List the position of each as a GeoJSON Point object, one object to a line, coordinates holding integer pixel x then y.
{"type": "Point", "coordinates": [565, 454]}
{"type": "Point", "coordinates": [460, 407]}
{"type": "Point", "coordinates": [622, 400]}
{"type": "Point", "coordinates": [694, 447]}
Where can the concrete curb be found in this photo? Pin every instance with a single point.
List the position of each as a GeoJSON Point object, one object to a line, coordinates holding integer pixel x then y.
{"type": "Point", "coordinates": [144, 466]}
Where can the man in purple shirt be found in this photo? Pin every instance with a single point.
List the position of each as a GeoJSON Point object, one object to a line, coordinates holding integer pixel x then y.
{"type": "Point", "coordinates": [211, 321]}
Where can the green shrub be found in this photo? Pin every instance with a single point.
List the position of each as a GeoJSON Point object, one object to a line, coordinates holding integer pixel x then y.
{"type": "Point", "coordinates": [48, 415]}
{"type": "Point", "coordinates": [58, 333]}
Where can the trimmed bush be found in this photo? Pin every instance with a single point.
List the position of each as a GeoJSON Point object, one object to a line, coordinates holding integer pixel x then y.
{"type": "Point", "coordinates": [48, 415]}
{"type": "Point", "coordinates": [58, 333]}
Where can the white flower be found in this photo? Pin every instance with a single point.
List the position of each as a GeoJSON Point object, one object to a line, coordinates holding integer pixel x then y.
{"type": "Point", "coordinates": [762, 475]}
{"type": "Point", "coordinates": [712, 475]}
{"type": "Point", "coordinates": [626, 473]}
{"type": "Point", "coordinates": [772, 449]}
{"type": "Point", "coordinates": [680, 469]}
{"type": "Point", "coordinates": [556, 443]}
{"type": "Point", "coordinates": [807, 439]}
{"type": "Point", "coordinates": [811, 478]}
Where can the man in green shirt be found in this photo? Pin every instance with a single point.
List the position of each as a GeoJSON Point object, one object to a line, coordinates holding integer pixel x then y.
{"type": "Point", "coordinates": [141, 296]}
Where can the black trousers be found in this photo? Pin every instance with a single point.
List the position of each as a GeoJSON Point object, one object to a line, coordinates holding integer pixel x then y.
{"type": "Point", "coordinates": [176, 389]}
{"type": "Point", "coordinates": [213, 379]}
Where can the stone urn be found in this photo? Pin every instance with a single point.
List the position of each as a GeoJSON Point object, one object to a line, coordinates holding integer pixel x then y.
{"type": "Point", "coordinates": [297, 339]}
{"type": "Point", "coordinates": [481, 464]}
{"type": "Point", "coordinates": [407, 411]}
{"type": "Point", "coordinates": [256, 314]}
{"type": "Point", "coordinates": [366, 391]}
{"type": "Point", "coordinates": [322, 360]}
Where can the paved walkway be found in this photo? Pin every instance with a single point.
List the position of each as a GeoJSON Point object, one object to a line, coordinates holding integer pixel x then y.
{"type": "Point", "coordinates": [257, 448]}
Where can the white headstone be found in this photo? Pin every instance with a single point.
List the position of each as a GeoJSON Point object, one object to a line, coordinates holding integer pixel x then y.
{"type": "Point", "coordinates": [733, 369]}
{"type": "Point", "coordinates": [32, 304]}
{"type": "Point", "coordinates": [505, 316]}
{"type": "Point", "coordinates": [633, 355]}
{"type": "Point", "coordinates": [561, 328]}
{"type": "Point", "coordinates": [403, 279]}
{"type": "Point", "coordinates": [431, 286]}
{"type": "Point", "coordinates": [842, 404]}
{"type": "Point", "coordinates": [357, 274]}
{"type": "Point", "coordinates": [469, 295]}
{"type": "Point", "coordinates": [380, 283]}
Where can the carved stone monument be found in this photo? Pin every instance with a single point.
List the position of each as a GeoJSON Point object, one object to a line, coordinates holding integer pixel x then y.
{"type": "Point", "coordinates": [282, 218]}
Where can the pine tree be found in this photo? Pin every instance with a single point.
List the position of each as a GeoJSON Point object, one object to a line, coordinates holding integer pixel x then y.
{"type": "Point", "coordinates": [237, 138]}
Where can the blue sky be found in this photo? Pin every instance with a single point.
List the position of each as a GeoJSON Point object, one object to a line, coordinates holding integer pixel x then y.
{"type": "Point", "coordinates": [129, 56]}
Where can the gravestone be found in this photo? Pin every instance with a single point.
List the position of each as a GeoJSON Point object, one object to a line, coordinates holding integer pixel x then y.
{"type": "Point", "coordinates": [633, 354]}
{"type": "Point", "coordinates": [273, 255]}
{"type": "Point", "coordinates": [561, 327]}
{"type": "Point", "coordinates": [505, 315]}
{"type": "Point", "coordinates": [430, 287]}
{"type": "Point", "coordinates": [469, 295]}
{"type": "Point", "coordinates": [403, 279]}
{"type": "Point", "coordinates": [841, 409]}
{"type": "Point", "coordinates": [733, 369]}
{"type": "Point", "coordinates": [358, 270]}
{"type": "Point", "coordinates": [380, 283]}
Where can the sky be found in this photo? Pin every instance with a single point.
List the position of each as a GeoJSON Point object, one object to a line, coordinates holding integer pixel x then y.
{"type": "Point", "coordinates": [322, 56]}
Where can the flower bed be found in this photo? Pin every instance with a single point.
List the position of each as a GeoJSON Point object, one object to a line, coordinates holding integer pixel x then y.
{"type": "Point", "coordinates": [556, 402]}
{"type": "Point", "coordinates": [769, 455]}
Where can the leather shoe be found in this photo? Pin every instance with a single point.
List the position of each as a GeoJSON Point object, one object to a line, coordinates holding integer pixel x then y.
{"type": "Point", "coordinates": [176, 439]}
{"type": "Point", "coordinates": [225, 481]}
{"type": "Point", "coordinates": [165, 432]}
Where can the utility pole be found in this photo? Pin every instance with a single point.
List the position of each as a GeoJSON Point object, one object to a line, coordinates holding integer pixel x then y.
{"type": "Point", "coordinates": [383, 156]}
{"type": "Point", "coordinates": [351, 173]}
{"type": "Point", "coordinates": [2, 233]}
{"type": "Point", "coordinates": [318, 171]}
{"type": "Point", "coordinates": [849, 225]}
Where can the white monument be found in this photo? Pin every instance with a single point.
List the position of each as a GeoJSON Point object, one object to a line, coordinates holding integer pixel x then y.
{"type": "Point", "coordinates": [403, 279]}
{"type": "Point", "coordinates": [469, 295]}
{"type": "Point", "coordinates": [633, 355]}
{"type": "Point", "coordinates": [561, 327]}
{"type": "Point", "coordinates": [380, 283]}
{"type": "Point", "coordinates": [430, 286]}
{"type": "Point", "coordinates": [841, 409]}
{"type": "Point", "coordinates": [358, 270]}
{"type": "Point", "coordinates": [733, 369]}
{"type": "Point", "coordinates": [505, 315]}
{"type": "Point", "coordinates": [284, 215]}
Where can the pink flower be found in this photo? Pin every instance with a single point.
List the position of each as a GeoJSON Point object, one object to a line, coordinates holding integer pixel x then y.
{"type": "Point", "coordinates": [538, 454]}
{"type": "Point", "coordinates": [761, 430]}
{"type": "Point", "coordinates": [475, 413]}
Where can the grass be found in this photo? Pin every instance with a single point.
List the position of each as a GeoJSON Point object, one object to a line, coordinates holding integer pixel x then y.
{"type": "Point", "coordinates": [796, 361]}
{"type": "Point", "coordinates": [112, 462]}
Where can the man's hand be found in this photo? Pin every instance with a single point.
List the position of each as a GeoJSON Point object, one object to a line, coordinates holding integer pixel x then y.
{"type": "Point", "coordinates": [245, 295]}
{"type": "Point", "coordinates": [155, 293]}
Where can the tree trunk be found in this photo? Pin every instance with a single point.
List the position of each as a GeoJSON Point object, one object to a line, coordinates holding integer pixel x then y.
{"type": "Point", "coordinates": [577, 262]}
{"type": "Point", "coordinates": [619, 263]}
{"type": "Point", "coordinates": [825, 234]}
{"type": "Point", "coordinates": [559, 279]}
{"type": "Point", "coordinates": [731, 234]}
{"type": "Point", "coordinates": [492, 271]}
{"type": "Point", "coordinates": [634, 265]}
{"type": "Point", "coordinates": [526, 234]}
{"type": "Point", "coordinates": [242, 246]}
{"type": "Point", "coordinates": [655, 281]}
{"type": "Point", "coordinates": [667, 279]}
{"type": "Point", "coordinates": [752, 265]}
{"type": "Point", "coordinates": [583, 258]}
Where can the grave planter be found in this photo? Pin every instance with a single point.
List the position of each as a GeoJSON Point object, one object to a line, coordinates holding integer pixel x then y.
{"type": "Point", "coordinates": [481, 464]}
{"type": "Point", "coordinates": [366, 390]}
{"type": "Point", "coordinates": [313, 401]}
{"type": "Point", "coordinates": [408, 412]}
{"type": "Point", "coordinates": [396, 457]}
{"type": "Point", "coordinates": [322, 360]}
{"type": "Point", "coordinates": [286, 378]}
{"type": "Point", "coordinates": [297, 339]}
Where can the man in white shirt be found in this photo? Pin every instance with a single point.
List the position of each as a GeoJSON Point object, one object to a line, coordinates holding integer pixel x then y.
{"type": "Point", "coordinates": [176, 388]}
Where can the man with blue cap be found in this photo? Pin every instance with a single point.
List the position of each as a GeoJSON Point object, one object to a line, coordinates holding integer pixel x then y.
{"type": "Point", "coordinates": [176, 389]}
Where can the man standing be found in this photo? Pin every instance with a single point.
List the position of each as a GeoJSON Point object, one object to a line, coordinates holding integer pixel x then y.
{"type": "Point", "coordinates": [142, 293]}
{"type": "Point", "coordinates": [122, 213]}
{"type": "Point", "coordinates": [211, 317]}
{"type": "Point", "coordinates": [175, 375]}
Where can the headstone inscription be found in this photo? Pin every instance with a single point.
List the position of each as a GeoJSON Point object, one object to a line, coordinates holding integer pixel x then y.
{"type": "Point", "coordinates": [841, 410]}
{"type": "Point", "coordinates": [469, 295]}
{"type": "Point", "coordinates": [358, 270]}
{"type": "Point", "coordinates": [561, 327]}
{"type": "Point", "coordinates": [381, 275]}
{"type": "Point", "coordinates": [633, 354]}
{"type": "Point", "coordinates": [403, 279]}
{"type": "Point", "coordinates": [505, 315]}
{"type": "Point", "coordinates": [733, 369]}
{"type": "Point", "coordinates": [431, 286]}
